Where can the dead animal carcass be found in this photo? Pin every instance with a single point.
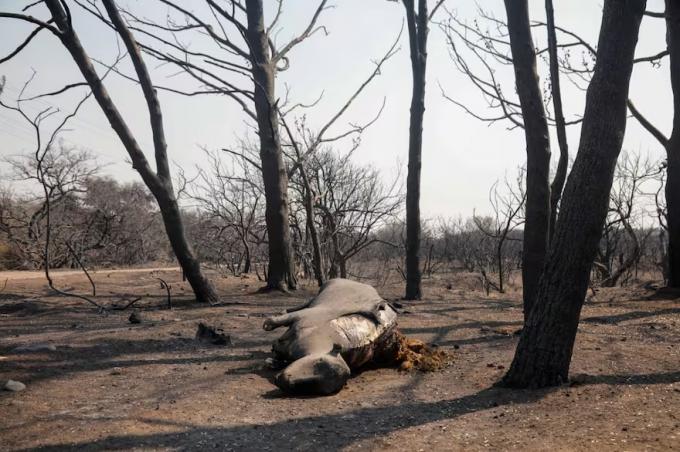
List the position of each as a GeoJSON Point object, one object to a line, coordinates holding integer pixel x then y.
{"type": "Point", "coordinates": [346, 326]}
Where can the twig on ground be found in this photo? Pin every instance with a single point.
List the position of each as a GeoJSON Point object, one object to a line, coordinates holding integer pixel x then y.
{"type": "Point", "coordinates": [165, 286]}
{"type": "Point", "coordinates": [133, 301]}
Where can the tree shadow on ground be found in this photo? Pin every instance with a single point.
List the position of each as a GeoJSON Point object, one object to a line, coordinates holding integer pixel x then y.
{"type": "Point", "coordinates": [628, 379]}
{"type": "Point", "coordinates": [111, 353]}
{"type": "Point", "coordinates": [332, 431]}
{"type": "Point", "coordinates": [632, 315]}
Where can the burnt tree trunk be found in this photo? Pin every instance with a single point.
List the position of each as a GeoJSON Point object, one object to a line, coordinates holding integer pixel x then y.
{"type": "Point", "coordinates": [417, 31]}
{"type": "Point", "coordinates": [560, 124]}
{"type": "Point", "coordinates": [537, 219]}
{"type": "Point", "coordinates": [545, 348]}
{"type": "Point", "coordinates": [159, 182]}
{"type": "Point", "coordinates": [673, 147]}
{"type": "Point", "coordinates": [280, 273]}
{"type": "Point", "coordinates": [311, 226]}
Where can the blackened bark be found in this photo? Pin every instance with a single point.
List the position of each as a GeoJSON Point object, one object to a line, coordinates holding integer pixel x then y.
{"type": "Point", "coordinates": [280, 274]}
{"type": "Point", "coordinates": [537, 218]}
{"type": "Point", "coordinates": [560, 124]}
{"type": "Point", "coordinates": [417, 31]}
{"type": "Point", "coordinates": [160, 182]}
{"type": "Point", "coordinates": [545, 348]}
{"type": "Point", "coordinates": [673, 147]}
{"type": "Point", "coordinates": [311, 227]}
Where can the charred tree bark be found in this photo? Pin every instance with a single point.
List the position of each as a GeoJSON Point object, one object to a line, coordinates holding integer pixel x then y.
{"type": "Point", "coordinates": [159, 182]}
{"type": "Point", "coordinates": [417, 30]}
{"type": "Point", "coordinates": [560, 124]}
{"type": "Point", "coordinates": [673, 147]}
{"type": "Point", "coordinates": [544, 351]}
{"type": "Point", "coordinates": [280, 274]}
{"type": "Point", "coordinates": [537, 222]}
{"type": "Point", "coordinates": [311, 227]}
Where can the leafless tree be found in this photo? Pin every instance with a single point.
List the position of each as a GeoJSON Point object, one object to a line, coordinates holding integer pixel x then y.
{"type": "Point", "coordinates": [58, 177]}
{"type": "Point", "coordinates": [417, 19]}
{"type": "Point", "coordinates": [353, 203]}
{"type": "Point", "coordinates": [305, 142]}
{"type": "Point", "coordinates": [560, 122]}
{"type": "Point", "coordinates": [510, 44]}
{"type": "Point", "coordinates": [544, 351]}
{"type": "Point", "coordinates": [126, 218]}
{"type": "Point", "coordinates": [508, 206]}
{"type": "Point", "coordinates": [242, 63]}
{"type": "Point", "coordinates": [159, 181]}
{"type": "Point", "coordinates": [624, 236]}
{"type": "Point", "coordinates": [64, 171]}
{"type": "Point", "coordinates": [578, 66]}
{"type": "Point", "coordinates": [671, 144]}
{"type": "Point", "coordinates": [537, 216]}
{"type": "Point", "coordinates": [230, 199]}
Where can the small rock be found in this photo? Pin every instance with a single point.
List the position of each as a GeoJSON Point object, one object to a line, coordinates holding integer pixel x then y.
{"type": "Point", "coordinates": [116, 371]}
{"type": "Point", "coordinates": [135, 318]}
{"type": "Point", "coordinates": [206, 333]}
{"type": "Point", "coordinates": [14, 386]}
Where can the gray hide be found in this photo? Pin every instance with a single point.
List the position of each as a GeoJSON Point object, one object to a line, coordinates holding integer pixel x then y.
{"type": "Point", "coordinates": [344, 327]}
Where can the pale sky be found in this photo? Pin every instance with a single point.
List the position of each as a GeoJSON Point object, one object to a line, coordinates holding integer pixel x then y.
{"type": "Point", "coordinates": [462, 157]}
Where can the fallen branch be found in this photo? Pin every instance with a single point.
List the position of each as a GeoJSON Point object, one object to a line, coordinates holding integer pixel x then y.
{"type": "Point", "coordinates": [165, 286]}
{"type": "Point", "coordinates": [77, 258]}
{"type": "Point", "coordinates": [133, 301]}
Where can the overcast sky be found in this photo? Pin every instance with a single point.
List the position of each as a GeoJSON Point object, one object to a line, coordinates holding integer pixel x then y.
{"type": "Point", "coordinates": [462, 157]}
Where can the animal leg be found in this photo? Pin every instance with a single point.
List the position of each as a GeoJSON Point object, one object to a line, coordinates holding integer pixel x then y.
{"type": "Point", "coordinates": [280, 320]}
{"type": "Point", "coordinates": [304, 305]}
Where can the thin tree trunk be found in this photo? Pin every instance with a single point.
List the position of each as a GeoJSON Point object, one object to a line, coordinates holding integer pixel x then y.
{"type": "Point", "coordinates": [537, 222]}
{"type": "Point", "coordinates": [280, 274]}
{"type": "Point", "coordinates": [624, 265]}
{"type": "Point", "coordinates": [417, 30]}
{"type": "Point", "coordinates": [159, 183]}
{"type": "Point", "coordinates": [499, 258]}
{"type": "Point", "coordinates": [544, 351]}
{"type": "Point", "coordinates": [343, 267]}
{"type": "Point", "coordinates": [311, 226]}
{"type": "Point", "coordinates": [560, 124]}
{"type": "Point", "coordinates": [673, 147]}
{"type": "Point", "coordinates": [247, 264]}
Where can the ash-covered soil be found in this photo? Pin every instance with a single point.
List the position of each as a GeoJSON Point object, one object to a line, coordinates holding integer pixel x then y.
{"type": "Point", "coordinates": [113, 385]}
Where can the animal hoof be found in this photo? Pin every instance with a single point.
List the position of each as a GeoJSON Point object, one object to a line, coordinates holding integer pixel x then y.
{"type": "Point", "coordinates": [268, 325]}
